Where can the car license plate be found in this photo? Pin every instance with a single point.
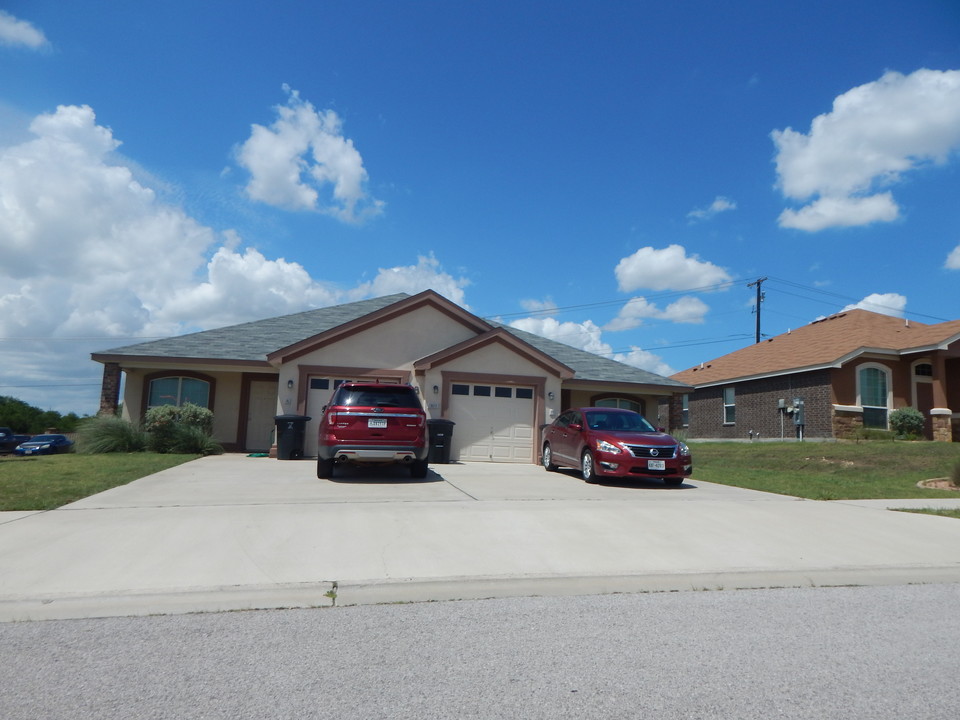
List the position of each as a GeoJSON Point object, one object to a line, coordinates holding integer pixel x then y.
{"type": "Point", "coordinates": [376, 422]}
{"type": "Point", "coordinates": [656, 464]}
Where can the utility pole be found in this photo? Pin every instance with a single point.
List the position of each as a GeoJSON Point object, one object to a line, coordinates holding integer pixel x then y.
{"type": "Point", "coordinates": [758, 283]}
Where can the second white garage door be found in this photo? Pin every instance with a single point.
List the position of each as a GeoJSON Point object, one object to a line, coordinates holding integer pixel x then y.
{"type": "Point", "coordinates": [494, 423]}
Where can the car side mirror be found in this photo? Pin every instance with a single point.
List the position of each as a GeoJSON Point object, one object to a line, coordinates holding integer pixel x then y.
{"type": "Point", "coordinates": [575, 427]}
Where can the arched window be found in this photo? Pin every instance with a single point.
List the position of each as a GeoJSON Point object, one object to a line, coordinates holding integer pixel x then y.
{"type": "Point", "coordinates": [622, 403]}
{"type": "Point", "coordinates": [873, 394]}
{"type": "Point", "coordinates": [178, 390]}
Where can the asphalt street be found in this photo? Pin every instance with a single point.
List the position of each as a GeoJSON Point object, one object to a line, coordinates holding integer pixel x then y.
{"type": "Point", "coordinates": [812, 653]}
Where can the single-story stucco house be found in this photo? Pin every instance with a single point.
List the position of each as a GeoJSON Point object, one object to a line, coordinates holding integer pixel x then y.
{"type": "Point", "coordinates": [849, 370]}
{"type": "Point", "coordinates": [497, 384]}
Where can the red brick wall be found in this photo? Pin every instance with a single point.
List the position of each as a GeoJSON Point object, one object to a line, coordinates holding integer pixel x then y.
{"type": "Point", "coordinates": [756, 403]}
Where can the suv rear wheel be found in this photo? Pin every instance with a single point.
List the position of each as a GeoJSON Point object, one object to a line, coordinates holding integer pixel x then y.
{"type": "Point", "coordinates": [324, 469]}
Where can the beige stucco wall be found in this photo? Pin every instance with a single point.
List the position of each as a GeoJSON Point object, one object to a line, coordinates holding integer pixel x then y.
{"type": "Point", "coordinates": [226, 397]}
{"type": "Point", "coordinates": [396, 343]}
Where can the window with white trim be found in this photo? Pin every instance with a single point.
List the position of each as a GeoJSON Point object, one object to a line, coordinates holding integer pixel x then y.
{"type": "Point", "coordinates": [873, 394]}
{"type": "Point", "coordinates": [729, 406]}
{"type": "Point", "coordinates": [622, 403]}
{"type": "Point", "coordinates": [178, 391]}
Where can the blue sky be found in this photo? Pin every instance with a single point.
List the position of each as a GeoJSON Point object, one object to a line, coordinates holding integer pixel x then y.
{"type": "Point", "coordinates": [609, 174]}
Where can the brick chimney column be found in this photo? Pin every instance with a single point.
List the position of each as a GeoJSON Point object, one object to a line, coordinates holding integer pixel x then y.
{"type": "Point", "coordinates": [110, 389]}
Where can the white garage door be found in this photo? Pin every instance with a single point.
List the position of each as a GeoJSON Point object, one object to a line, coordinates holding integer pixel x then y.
{"type": "Point", "coordinates": [494, 423]}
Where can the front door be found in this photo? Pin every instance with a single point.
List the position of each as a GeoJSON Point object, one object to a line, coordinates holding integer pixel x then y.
{"type": "Point", "coordinates": [261, 411]}
{"type": "Point", "coordinates": [924, 391]}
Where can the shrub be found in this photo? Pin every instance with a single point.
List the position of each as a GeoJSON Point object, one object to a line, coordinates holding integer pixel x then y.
{"type": "Point", "coordinates": [108, 434]}
{"type": "Point", "coordinates": [907, 422]}
{"type": "Point", "coordinates": [863, 433]}
{"type": "Point", "coordinates": [172, 427]}
{"type": "Point", "coordinates": [192, 440]}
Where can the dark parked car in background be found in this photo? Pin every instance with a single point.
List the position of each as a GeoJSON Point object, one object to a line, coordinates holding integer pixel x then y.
{"type": "Point", "coordinates": [608, 442]}
{"type": "Point", "coordinates": [9, 440]}
{"type": "Point", "coordinates": [44, 445]}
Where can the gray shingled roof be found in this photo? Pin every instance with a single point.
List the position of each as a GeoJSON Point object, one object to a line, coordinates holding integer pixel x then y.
{"type": "Point", "coordinates": [589, 366]}
{"type": "Point", "coordinates": [253, 341]}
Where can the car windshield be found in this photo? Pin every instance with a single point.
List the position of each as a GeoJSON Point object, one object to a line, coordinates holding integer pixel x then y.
{"type": "Point", "coordinates": [618, 421]}
{"type": "Point", "coordinates": [379, 397]}
{"type": "Point", "coordinates": [44, 438]}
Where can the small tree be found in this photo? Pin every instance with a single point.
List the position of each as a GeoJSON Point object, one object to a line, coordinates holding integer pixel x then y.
{"type": "Point", "coordinates": [907, 422]}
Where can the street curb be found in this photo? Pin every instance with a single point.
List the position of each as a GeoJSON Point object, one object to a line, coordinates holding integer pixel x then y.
{"type": "Point", "coordinates": [327, 594]}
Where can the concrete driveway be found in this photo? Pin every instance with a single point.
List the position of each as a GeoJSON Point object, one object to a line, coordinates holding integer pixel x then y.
{"type": "Point", "coordinates": [234, 532]}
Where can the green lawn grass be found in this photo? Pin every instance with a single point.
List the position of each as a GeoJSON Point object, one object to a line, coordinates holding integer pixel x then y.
{"type": "Point", "coordinates": [44, 482]}
{"type": "Point", "coordinates": [828, 471]}
{"type": "Point", "coordinates": [943, 512]}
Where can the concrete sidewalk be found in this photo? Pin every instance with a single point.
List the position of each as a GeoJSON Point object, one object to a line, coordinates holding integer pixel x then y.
{"type": "Point", "coordinates": [234, 532]}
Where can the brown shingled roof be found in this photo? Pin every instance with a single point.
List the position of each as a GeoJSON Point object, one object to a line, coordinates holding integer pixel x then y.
{"type": "Point", "coordinates": [823, 343]}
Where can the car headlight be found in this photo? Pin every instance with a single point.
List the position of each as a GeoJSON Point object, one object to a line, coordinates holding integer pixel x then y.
{"type": "Point", "coordinates": [682, 449]}
{"type": "Point", "coordinates": [604, 446]}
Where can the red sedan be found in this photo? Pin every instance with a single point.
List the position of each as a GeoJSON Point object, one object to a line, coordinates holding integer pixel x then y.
{"type": "Point", "coordinates": [607, 442]}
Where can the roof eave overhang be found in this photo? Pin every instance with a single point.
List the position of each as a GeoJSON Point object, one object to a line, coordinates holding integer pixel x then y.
{"type": "Point", "coordinates": [658, 388]}
{"type": "Point", "coordinates": [158, 360]}
{"type": "Point", "coordinates": [839, 362]}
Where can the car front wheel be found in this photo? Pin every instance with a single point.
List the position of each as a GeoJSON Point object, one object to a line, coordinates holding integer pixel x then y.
{"type": "Point", "coordinates": [587, 468]}
{"type": "Point", "coordinates": [548, 459]}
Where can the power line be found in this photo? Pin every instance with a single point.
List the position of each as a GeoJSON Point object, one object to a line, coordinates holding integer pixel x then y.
{"type": "Point", "coordinates": [620, 301]}
{"type": "Point", "coordinates": [846, 299]}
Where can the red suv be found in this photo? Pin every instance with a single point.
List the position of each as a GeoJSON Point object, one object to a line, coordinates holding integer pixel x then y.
{"type": "Point", "coordinates": [606, 442]}
{"type": "Point", "coordinates": [371, 422]}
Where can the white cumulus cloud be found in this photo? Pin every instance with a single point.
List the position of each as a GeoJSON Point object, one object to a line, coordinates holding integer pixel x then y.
{"type": "Point", "coordinates": [16, 32]}
{"type": "Point", "coordinates": [645, 360]}
{"type": "Point", "coordinates": [586, 335]}
{"type": "Point", "coordinates": [668, 268]}
{"type": "Point", "coordinates": [427, 274]}
{"type": "Point", "coordinates": [953, 259]}
{"type": "Point", "coordinates": [688, 309]}
{"type": "Point", "coordinates": [543, 307]}
{"type": "Point", "coordinates": [303, 162]}
{"type": "Point", "coordinates": [93, 259]}
{"type": "Point", "coordinates": [874, 134]}
{"type": "Point", "coordinates": [883, 303]}
{"type": "Point", "coordinates": [719, 205]}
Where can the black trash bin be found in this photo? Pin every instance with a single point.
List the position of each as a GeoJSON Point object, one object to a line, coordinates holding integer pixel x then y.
{"type": "Point", "coordinates": [291, 430]}
{"type": "Point", "coordinates": [441, 438]}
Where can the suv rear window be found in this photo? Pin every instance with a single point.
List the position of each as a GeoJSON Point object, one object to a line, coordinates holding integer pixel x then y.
{"type": "Point", "coordinates": [376, 396]}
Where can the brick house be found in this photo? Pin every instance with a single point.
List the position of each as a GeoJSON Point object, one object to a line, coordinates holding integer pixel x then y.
{"type": "Point", "coordinates": [827, 380]}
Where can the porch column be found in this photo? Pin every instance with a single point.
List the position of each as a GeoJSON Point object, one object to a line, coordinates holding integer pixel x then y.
{"type": "Point", "coordinates": [939, 381]}
{"type": "Point", "coordinates": [941, 419]}
{"type": "Point", "coordinates": [110, 389]}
